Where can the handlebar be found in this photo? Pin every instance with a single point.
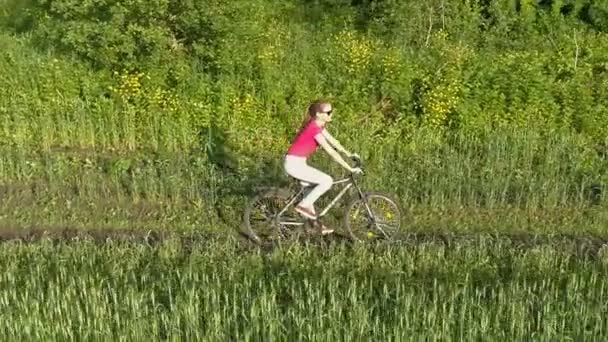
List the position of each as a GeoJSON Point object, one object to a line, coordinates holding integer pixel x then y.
{"type": "Point", "coordinates": [357, 162]}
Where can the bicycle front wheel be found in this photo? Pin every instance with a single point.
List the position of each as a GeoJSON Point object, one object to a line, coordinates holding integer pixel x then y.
{"type": "Point", "coordinates": [375, 216]}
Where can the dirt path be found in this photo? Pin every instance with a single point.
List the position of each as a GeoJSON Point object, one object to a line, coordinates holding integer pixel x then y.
{"type": "Point", "coordinates": [33, 235]}
{"type": "Point", "coordinates": [579, 244]}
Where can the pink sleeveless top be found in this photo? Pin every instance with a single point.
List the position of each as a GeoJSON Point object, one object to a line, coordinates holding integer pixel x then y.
{"type": "Point", "coordinates": [305, 144]}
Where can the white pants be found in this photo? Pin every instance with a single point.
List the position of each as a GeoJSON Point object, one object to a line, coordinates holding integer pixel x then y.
{"type": "Point", "coordinates": [296, 167]}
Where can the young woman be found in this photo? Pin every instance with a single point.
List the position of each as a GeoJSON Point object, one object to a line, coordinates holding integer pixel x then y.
{"type": "Point", "coordinates": [312, 134]}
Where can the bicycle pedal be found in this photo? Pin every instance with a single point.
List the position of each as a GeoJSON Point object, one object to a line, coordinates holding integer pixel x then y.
{"type": "Point", "coordinates": [323, 229]}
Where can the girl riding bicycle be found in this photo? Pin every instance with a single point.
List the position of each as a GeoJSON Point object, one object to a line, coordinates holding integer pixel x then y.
{"type": "Point", "coordinates": [312, 134]}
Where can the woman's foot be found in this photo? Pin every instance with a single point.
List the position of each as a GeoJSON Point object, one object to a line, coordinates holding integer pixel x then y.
{"type": "Point", "coordinates": [307, 212]}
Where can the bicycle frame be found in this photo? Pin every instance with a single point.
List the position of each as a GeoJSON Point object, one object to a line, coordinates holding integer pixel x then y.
{"type": "Point", "coordinates": [350, 182]}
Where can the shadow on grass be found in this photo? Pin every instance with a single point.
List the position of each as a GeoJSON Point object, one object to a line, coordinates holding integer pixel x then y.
{"type": "Point", "coordinates": [236, 185]}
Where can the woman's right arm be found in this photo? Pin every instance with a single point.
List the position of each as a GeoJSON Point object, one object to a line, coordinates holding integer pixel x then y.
{"type": "Point", "coordinates": [333, 153]}
{"type": "Point", "coordinates": [335, 143]}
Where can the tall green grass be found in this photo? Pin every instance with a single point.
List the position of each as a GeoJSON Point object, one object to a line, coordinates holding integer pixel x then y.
{"type": "Point", "coordinates": [215, 292]}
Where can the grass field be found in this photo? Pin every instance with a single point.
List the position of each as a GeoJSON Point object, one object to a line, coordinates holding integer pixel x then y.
{"type": "Point", "coordinates": [480, 287]}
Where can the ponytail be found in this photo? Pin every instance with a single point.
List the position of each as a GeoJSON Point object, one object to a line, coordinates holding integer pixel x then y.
{"type": "Point", "coordinates": [311, 114]}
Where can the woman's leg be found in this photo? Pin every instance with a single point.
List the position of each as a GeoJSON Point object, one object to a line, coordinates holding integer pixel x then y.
{"type": "Point", "coordinates": [297, 167]}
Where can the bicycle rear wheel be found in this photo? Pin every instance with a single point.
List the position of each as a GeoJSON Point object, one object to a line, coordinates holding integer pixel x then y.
{"type": "Point", "coordinates": [262, 221]}
{"type": "Point", "coordinates": [376, 216]}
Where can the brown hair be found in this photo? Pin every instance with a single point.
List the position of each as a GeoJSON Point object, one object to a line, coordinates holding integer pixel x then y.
{"type": "Point", "coordinates": [311, 114]}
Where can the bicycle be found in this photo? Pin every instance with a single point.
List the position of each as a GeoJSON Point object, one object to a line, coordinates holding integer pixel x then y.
{"type": "Point", "coordinates": [271, 210]}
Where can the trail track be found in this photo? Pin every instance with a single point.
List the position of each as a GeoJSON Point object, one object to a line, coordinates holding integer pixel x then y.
{"type": "Point", "coordinates": [582, 245]}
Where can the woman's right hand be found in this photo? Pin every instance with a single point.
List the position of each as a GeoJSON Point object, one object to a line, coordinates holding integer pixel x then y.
{"type": "Point", "coordinates": [356, 170]}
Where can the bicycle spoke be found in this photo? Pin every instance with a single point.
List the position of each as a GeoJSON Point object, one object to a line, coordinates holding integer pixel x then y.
{"type": "Point", "coordinates": [378, 218]}
{"type": "Point", "coordinates": [265, 224]}
{"type": "Point", "coordinates": [261, 218]}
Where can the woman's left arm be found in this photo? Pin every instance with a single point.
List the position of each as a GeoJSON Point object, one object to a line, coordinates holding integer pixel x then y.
{"type": "Point", "coordinates": [335, 143]}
